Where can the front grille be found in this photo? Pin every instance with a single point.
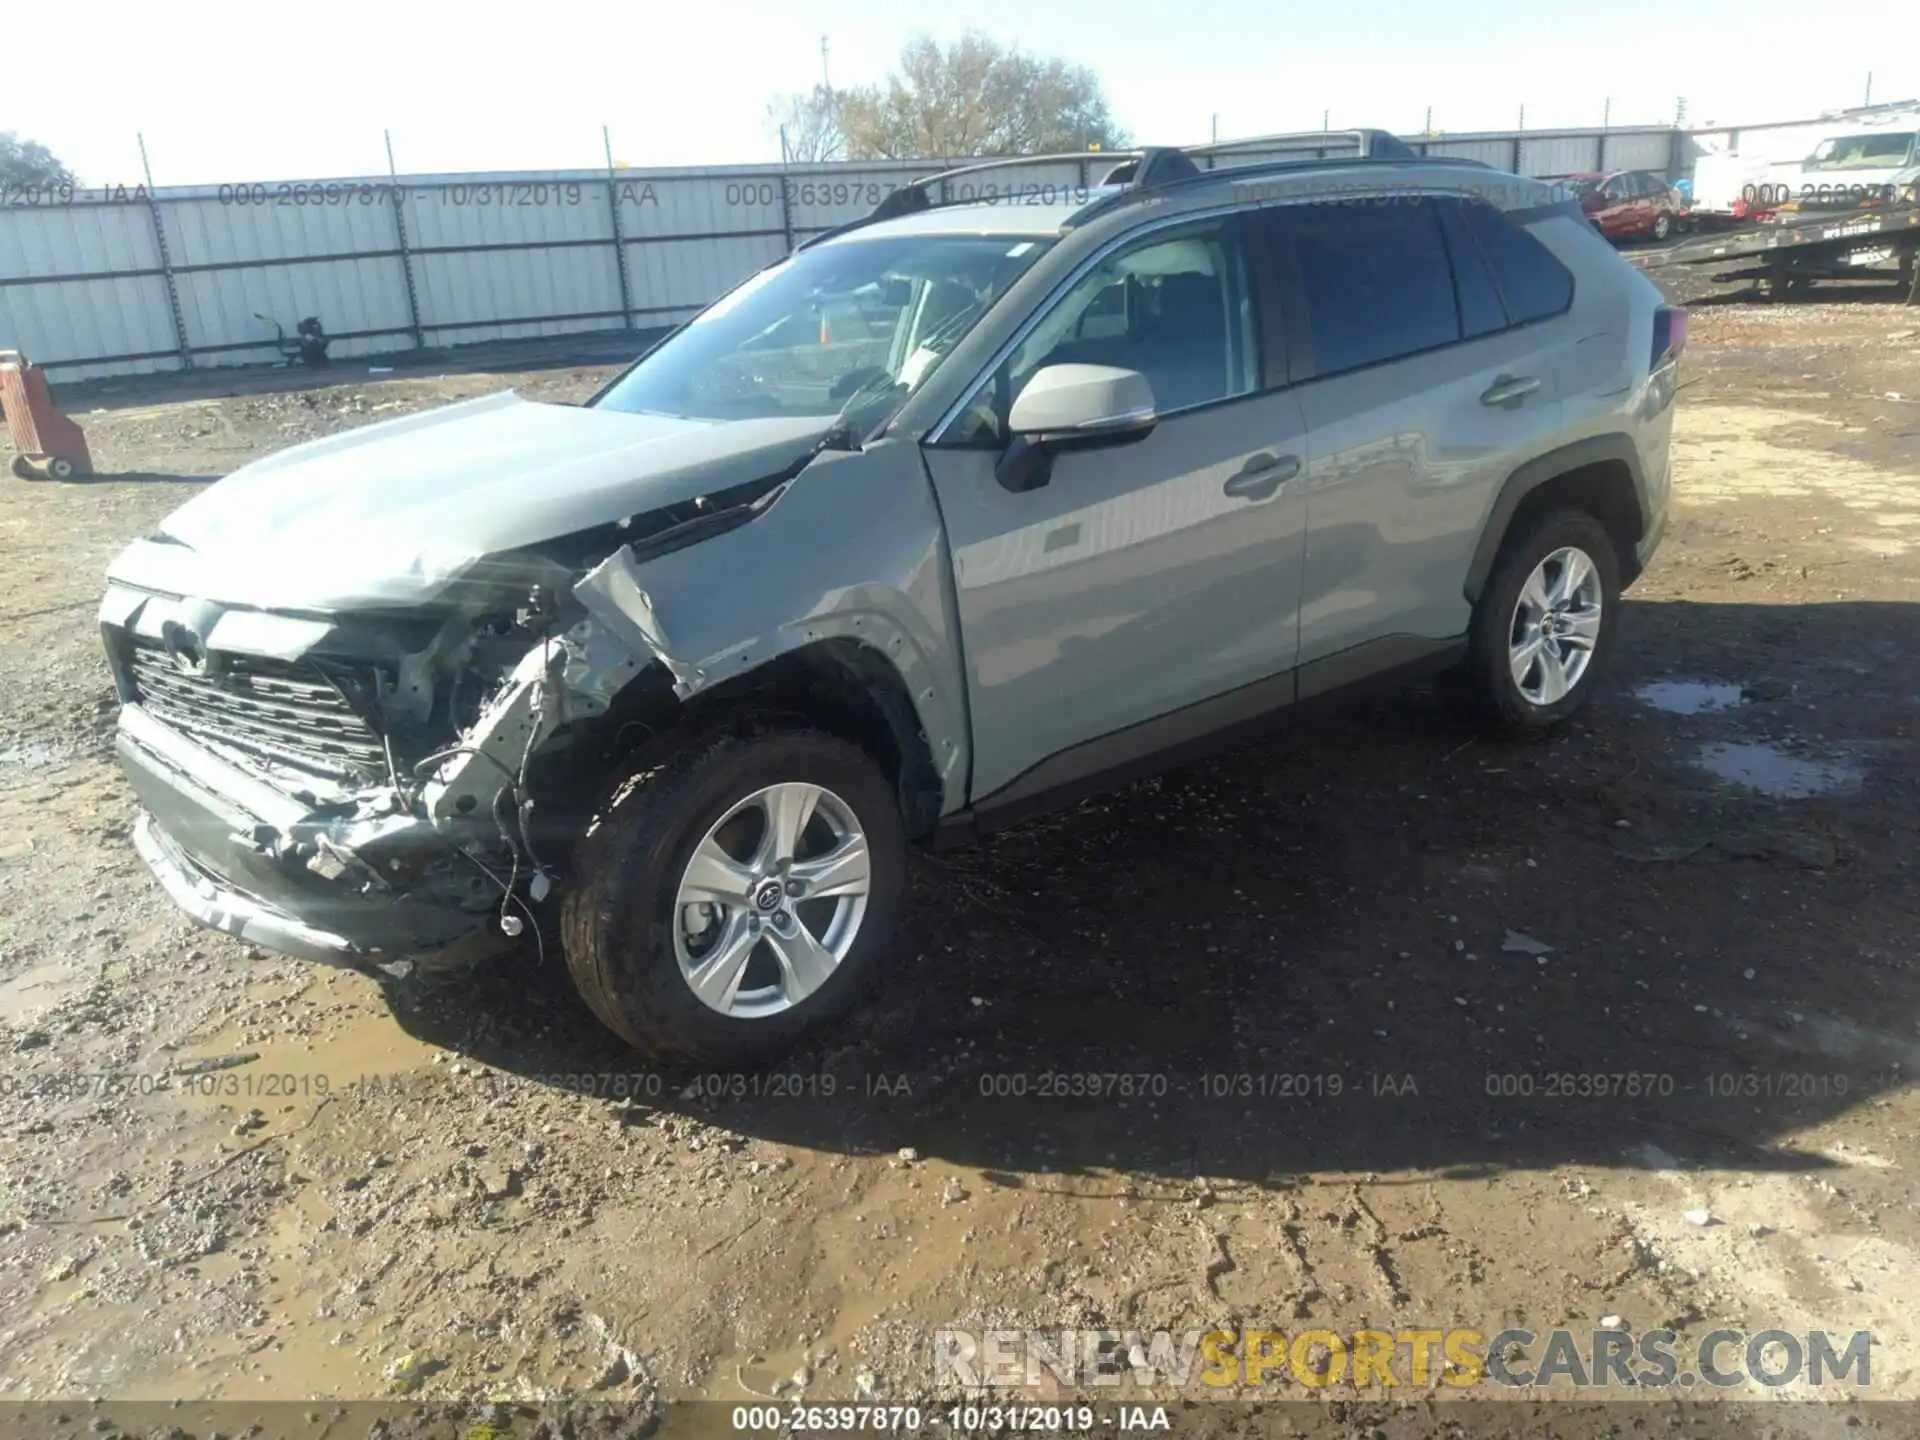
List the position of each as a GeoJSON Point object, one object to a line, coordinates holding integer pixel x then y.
{"type": "Point", "coordinates": [271, 711]}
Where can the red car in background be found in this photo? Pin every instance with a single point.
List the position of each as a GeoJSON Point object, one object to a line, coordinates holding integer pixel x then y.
{"type": "Point", "coordinates": [1627, 202]}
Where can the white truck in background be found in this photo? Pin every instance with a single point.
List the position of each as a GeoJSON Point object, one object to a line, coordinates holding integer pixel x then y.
{"type": "Point", "coordinates": [1833, 163]}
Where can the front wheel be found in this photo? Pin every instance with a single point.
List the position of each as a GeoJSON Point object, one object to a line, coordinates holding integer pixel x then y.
{"type": "Point", "coordinates": [1662, 226]}
{"type": "Point", "coordinates": [1544, 624]}
{"type": "Point", "coordinates": [735, 891]}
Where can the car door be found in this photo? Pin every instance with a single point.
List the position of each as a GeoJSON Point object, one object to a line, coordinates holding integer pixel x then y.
{"type": "Point", "coordinates": [1647, 196]}
{"type": "Point", "coordinates": [1616, 207]}
{"type": "Point", "coordinates": [1420, 397]}
{"type": "Point", "coordinates": [1147, 590]}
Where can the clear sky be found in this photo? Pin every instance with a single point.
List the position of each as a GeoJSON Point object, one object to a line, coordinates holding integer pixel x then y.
{"type": "Point", "coordinates": [267, 91]}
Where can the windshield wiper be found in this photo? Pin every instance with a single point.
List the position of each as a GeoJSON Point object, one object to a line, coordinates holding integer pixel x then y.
{"type": "Point", "coordinates": [843, 433]}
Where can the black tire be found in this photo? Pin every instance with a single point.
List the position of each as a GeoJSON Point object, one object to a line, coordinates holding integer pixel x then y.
{"type": "Point", "coordinates": [1486, 678]}
{"type": "Point", "coordinates": [1662, 226]}
{"type": "Point", "coordinates": [618, 914]}
{"type": "Point", "coordinates": [24, 468]}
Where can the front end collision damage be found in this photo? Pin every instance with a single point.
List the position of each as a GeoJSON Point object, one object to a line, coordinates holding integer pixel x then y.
{"type": "Point", "coordinates": [517, 689]}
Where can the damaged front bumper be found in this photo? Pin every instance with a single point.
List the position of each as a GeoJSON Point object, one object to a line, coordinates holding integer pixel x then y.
{"type": "Point", "coordinates": [228, 850]}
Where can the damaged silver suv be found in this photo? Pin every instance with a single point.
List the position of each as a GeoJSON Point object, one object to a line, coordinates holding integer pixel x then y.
{"type": "Point", "coordinates": [957, 513]}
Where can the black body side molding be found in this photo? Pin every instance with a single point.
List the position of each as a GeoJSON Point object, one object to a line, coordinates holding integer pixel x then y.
{"type": "Point", "coordinates": [1595, 450]}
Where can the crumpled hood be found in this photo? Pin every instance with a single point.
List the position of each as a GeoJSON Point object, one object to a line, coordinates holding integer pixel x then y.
{"type": "Point", "coordinates": [389, 513]}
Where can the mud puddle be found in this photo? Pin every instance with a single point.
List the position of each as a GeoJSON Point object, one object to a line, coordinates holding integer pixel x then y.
{"type": "Point", "coordinates": [1768, 770]}
{"type": "Point", "coordinates": [29, 755]}
{"type": "Point", "coordinates": [1691, 697]}
{"type": "Point", "coordinates": [870, 1268]}
{"type": "Point", "coordinates": [37, 991]}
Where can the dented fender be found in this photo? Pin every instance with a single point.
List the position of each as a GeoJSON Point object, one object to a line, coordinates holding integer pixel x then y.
{"type": "Point", "coordinates": [854, 549]}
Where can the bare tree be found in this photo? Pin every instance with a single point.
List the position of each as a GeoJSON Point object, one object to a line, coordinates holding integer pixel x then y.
{"type": "Point", "coordinates": [976, 97]}
{"type": "Point", "coordinates": [809, 126]}
{"type": "Point", "coordinates": [24, 162]}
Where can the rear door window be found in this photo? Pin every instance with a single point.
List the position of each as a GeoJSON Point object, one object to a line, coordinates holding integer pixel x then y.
{"type": "Point", "coordinates": [1376, 279]}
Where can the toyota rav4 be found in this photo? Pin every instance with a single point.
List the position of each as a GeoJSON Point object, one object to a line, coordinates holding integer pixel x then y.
{"type": "Point", "coordinates": [957, 513]}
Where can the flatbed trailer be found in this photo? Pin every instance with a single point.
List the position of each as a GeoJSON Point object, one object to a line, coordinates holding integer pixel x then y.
{"type": "Point", "coordinates": [1786, 255]}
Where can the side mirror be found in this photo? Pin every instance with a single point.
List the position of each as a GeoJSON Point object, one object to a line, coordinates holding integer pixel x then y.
{"type": "Point", "coordinates": [1073, 407]}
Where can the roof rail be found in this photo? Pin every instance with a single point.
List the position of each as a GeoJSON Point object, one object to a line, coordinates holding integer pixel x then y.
{"type": "Point", "coordinates": [1375, 146]}
{"type": "Point", "coordinates": [1371, 144]}
{"type": "Point", "coordinates": [1153, 169]}
{"type": "Point", "coordinates": [913, 197]}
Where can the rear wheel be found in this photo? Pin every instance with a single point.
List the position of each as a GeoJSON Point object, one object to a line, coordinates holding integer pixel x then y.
{"type": "Point", "coordinates": [734, 892]}
{"type": "Point", "coordinates": [1545, 621]}
{"type": "Point", "coordinates": [24, 468]}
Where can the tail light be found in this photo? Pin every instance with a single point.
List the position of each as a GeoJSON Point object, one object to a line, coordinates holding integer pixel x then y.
{"type": "Point", "coordinates": [1669, 333]}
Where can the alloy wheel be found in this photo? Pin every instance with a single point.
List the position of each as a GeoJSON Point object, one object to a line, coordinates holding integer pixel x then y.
{"type": "Point", "coordinates": [771, 900]}
{"type": "Point", "coordinates": [1555, 627]}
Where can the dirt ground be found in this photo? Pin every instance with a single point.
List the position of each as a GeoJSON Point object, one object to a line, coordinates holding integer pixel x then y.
{"type": "Point", "coordinates": [1341, 1089]}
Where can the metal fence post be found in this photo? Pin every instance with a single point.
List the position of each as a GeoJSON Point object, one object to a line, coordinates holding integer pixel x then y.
{"type": "Point", "coordinates": [406, 256]}
{"type": "Point", "coordinates": [166, 261]}
{"type": "Point", "coordinates": [619, 241]}
{"type": "Point", "coordinates": [786, 207]}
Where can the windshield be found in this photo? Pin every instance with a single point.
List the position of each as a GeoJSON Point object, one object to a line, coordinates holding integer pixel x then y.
{"type": "Point", "coordinates": [1881, 151]}
{"type": "Point", "coordinates": [831, 326]}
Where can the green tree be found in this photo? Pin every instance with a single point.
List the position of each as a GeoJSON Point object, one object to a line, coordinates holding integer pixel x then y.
{"type": "Point", "coordinates": [26, 162]}
{"type": "Point", "coordinates": [977, 97]}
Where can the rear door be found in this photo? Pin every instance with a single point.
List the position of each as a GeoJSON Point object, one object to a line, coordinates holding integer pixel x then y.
{"type": "Point", "coordinates": [1649, 198]}
{"type": "Point", "coordinates": [1142, 579]}
{"type": "Point", "coordinates": [1615, 214]}
{"type": "Point", "coordinates": [1421, 394]}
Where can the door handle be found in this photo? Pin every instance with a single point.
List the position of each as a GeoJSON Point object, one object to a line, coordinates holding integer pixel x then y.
{"type": "Point", "coordinates": [1261, 476]}
{"type": "Point", "coordinates": [1509, 390]}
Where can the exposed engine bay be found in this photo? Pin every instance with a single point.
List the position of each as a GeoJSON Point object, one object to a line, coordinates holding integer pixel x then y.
{"type": "Point", "coordinates": [410, 746]}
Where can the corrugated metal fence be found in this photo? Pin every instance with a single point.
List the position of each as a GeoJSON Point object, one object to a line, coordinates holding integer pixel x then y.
{"type": "Point", "coordinates": [118, 281]}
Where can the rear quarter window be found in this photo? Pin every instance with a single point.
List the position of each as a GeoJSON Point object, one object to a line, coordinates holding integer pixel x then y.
{"type": "Point", "coordinates": [1534, 284]}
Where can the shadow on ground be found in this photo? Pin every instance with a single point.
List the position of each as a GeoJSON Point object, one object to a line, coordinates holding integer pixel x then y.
{"type": "Point", "coordinates": [1297, 957]}
{"type": "Point", "coordinates": [106, 477]}
{"type": "Point", "coordinates": [137, 477]}
{"type": "Point", "coordinates": [1851, 292]}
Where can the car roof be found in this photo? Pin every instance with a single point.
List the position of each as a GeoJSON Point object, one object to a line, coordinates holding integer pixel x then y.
{"type": "Point", "coordinates": [1011, 217]}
